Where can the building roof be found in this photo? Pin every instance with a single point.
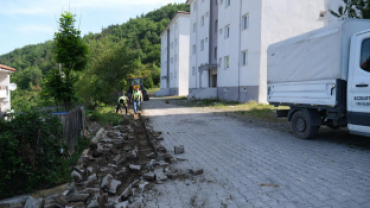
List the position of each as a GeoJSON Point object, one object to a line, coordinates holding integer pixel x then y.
{"type": "Point", "coordinates": [7, 68]}
{"type": "Point", "coordinates": [173, 20]}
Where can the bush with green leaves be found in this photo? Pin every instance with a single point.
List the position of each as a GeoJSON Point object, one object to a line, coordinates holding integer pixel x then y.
{"type": "Point", "coordinates": [31, 156]}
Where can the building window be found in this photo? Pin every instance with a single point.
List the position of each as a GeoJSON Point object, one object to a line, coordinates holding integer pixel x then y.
{"type": "Point", "coordinates": [323, 14]}
{"type": "Point", "coordinates": [215, 52]}
{"type": "Point", "coordinates": [195, 6]}
{"type": "Point", "coordinates": [220, 31]}
{"type": "Point", "coordinates": [194, 49]}
{"type": "Point", "coordinates": [227, 3]}
{"type": "Point", "coordinates": [175, 58]}
{"type": "Point", "coordinates": [202, 45]}
{"type": "Point", "coordinates": [245, 21]}
{"type": "Point", "coordinates": [171, 76]}
{"type": "Point", "coordinates": [227, 62]}
{"type": "Point", "coordinates": [194, 27]}
{"type": "Point", "coordinates": [227, 31]}
{"type": "Point", "coordinates": [216, 26]}
{"type": "Point", "coordinates": [219, 62]}
{"type": "Point", "coordinates": [207, 14]}
{"type": "Point", "coordinates": [245, 58]}
{"type": "Point", "coordinates": [202, 21]}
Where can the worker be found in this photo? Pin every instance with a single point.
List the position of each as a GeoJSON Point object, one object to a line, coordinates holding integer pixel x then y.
{"type": "Point", "coordinates": [122, 102]}
{"type": "Point", "coordinates": [136, 98]}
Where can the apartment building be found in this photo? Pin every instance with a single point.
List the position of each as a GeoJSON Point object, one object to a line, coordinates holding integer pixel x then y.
{"type": "Point", "coordinates": [244, 30]}
{"type": "Point", "coordinates": [203, 43]}
{"type": "Point", "coordinates": [175, 50]}
{"type": "Point", "coordinates": [5, 101]}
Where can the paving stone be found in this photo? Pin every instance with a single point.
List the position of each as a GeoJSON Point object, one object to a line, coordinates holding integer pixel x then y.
{"type": "Point", "coordinates": [244, 154]}
{"type": "Point", "coordinates": [179, 149]}
{"type": "Point", "coordinates": [76, 176]}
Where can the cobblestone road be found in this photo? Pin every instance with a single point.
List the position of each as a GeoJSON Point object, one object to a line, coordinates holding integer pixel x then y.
{"type": "Point", "coordinates": [246, 165]}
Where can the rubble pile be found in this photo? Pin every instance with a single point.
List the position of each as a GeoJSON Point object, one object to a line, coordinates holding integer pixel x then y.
{"type": "Point", "coordinates": [121, 163]}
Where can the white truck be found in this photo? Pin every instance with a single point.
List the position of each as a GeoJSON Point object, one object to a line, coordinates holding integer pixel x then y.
{"type": "Point", "coordinates": [324, 77]}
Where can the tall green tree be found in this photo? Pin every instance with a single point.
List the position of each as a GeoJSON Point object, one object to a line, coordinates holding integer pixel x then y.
{"type": "Point", "coordinates": [359, 9]}
{"type": "Point", "coordinates": [72, 53]}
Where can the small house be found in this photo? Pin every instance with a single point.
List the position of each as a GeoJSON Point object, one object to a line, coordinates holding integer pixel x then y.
{"type": "Point", "coordinates": [5, 102]}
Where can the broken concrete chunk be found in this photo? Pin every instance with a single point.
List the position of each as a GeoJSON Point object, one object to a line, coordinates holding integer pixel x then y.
{"type": "Point", "coordinates": [61, 201]}
{"type": "Point", "coordinates": [150, 155]}
{"type": "Point", "coordinates": [78, 197]}
{"type": "Point", "coordinates": [149, 176]}
{"type": "Point", "coordinates": [118, 160]}
{"type": "Point", "coordinates": [122, 172]}
{"type": "Point", "coordinates": [75, 205]}
{"type": "Point", "coordinates": [91, 191]}
{"type": "Point", "coordinates": [79, 169]}
{"type": "Point", "coordinates": [134, 167]}
{"type": "Point", "coordinates": [106, 170]}
{"type": "Point", "coordinates": [179, 149]}
{"type": "Point", "coordinates": [76, 176]}
{"type": "Point", "coordinates": [196, 172]}
{"type": "Point", "coordinates": [94, 202]}
{"type": "Point", "coordinates": [126, 193]}
{"type": "Point", "coordinates": [132, 154]}
{"type": "Point", "coordinates": [109, 184]}
{"type": "Point", "coordinates": [113, 186]}
{"type": "Point", "coordinates": [32, 203]}
{"type": "Point", "coordinates": [161, 148]}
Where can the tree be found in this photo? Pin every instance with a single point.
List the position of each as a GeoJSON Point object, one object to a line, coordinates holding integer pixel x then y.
{"type": "Point", "coordinates": [72, 53]}
{"type": "Point", "coordinates": [359, 9]}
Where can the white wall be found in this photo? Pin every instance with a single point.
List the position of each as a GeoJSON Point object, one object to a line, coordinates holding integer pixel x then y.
{"type": "Point", "coordinates": [163, 60]}
{"type": "Point", "coordinates": [202, 33]}
{"type": "Point", "coordinates": [183, 53]}
{"type": "Point", "coordinates": [284, 19]}
{"type": "Point", "coordinates": [4, 82]}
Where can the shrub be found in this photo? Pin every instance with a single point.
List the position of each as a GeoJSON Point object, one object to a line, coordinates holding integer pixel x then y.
{"type": "Point", "coordinates": [30, 154]}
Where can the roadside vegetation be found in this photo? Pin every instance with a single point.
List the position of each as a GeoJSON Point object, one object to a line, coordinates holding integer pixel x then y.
{"type": "Point", "coordinates": [251, 109]}
{"type": "Point", "coordinates": [105, 115]}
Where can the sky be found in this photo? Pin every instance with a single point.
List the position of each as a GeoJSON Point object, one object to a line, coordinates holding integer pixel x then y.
{"type": "Point", "coordinates": [24, 22]}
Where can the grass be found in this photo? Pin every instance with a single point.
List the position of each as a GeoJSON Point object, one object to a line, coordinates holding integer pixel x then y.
{"type": "Point", "coordinates": [153, 90]}
{"type": "Point", "coordinates": [251, 109]}
{"type": "Point", "coordinates": [106, 116]}
{"type": "Point", "coordinates": [176, 98]}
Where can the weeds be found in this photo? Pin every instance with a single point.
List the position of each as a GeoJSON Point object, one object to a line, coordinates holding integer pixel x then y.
{"type": "Point", "coordinates": [105, 115]}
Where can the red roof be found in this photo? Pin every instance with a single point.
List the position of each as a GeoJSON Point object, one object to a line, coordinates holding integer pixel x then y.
{"type": "Point", "coordinates": [6, 68]}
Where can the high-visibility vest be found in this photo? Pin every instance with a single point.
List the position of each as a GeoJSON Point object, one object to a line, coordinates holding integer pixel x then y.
{"type": "Point", "coordinates": [124, 98]}
{"type": "Point", "coordinates": [137, 96]}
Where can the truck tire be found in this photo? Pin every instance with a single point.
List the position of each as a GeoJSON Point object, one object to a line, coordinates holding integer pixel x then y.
{"type": "Point", "coordinates": [301, 126]}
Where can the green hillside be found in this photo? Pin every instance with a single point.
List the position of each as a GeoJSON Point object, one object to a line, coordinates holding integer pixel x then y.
{"type": "Point", "coordinates": [130, 48]}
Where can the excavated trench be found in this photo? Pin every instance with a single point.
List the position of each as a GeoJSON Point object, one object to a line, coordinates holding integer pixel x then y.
{"type": "Point", "coordinates": [120, 165]}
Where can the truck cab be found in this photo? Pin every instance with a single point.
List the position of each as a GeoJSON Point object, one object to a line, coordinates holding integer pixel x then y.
{"type": "Point", "coordinates": [358, 90]}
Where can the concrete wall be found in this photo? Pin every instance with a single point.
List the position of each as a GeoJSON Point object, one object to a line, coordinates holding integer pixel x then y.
{"type": "Point", "coordinates": [5, 104]}
{"type": "Point", "coordinates": [164, 46]}
{"type": "Point", "coordinates": [282, 20]}
{"type": "Point", "coordinates": [175, 60]}
{"type": "Point", "coordinates": [183, 53]}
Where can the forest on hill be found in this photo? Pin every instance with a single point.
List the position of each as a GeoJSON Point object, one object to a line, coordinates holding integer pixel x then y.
{"type": "Point", "coordinates": [132, 48]}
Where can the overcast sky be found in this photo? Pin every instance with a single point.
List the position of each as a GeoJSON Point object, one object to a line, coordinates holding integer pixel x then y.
{"type": "Point", "coordinates": [24, 22]}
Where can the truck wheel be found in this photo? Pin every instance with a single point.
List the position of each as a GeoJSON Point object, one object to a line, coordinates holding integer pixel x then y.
{"type": "Point", "coordinates": [302, 126]}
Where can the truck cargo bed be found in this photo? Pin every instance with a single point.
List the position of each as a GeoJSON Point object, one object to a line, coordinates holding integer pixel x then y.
{"type": "Point", "coordinates": [313, 93]}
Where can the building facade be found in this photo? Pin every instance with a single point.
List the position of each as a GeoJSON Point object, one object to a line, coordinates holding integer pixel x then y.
{"type": "Point", "coordinates": [5, 101]}
{"type": "Point", "coordinates": [243, 31]}
{"type": "Point", "coordinates": [175, 50]}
